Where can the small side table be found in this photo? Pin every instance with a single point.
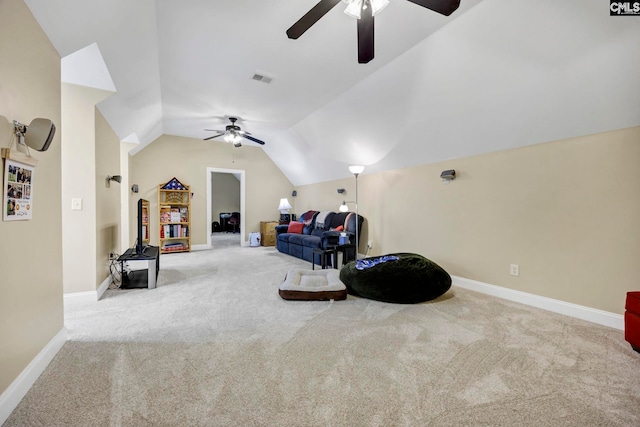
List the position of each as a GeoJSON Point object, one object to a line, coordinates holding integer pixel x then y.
{"type": "Point", "coordinates": [325, 257]}
{"type": "Point", "coordinates": [348, 253]}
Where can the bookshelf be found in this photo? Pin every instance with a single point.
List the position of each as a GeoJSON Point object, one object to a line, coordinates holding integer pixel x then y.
{"type": "Point", "coordinates": [174, 213]}
{"type": "Point", "coordinates": [145, 222]}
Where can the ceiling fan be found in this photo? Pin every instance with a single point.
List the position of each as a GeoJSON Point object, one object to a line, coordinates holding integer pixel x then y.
{"type": "Point", "coordinates": [234, 134]}
{"type": "Point", "coordinates": [364, 11]}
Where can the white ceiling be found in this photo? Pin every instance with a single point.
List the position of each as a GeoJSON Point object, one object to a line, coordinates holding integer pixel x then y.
{"type": "Point", "coordinates": [494, 75]}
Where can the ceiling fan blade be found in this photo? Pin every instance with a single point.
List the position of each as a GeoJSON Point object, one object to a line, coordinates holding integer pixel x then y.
{"type": "Point", "coordinates": [444, 7]}
{"type": "Point", "coordinates": [214, 136]}
{"type": "Point", "coordinates": [310, 18]}
{"type": "Point", "coordinates": [250, 138]}
{"type": "Point", "coordinates": [365, 36]}
{"type": "Point", "coordinates": [214, 130]}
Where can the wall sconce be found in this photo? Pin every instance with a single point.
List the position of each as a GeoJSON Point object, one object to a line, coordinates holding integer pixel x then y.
{"type": "Point", "coordinates": [134, 188]}
{"type": "Point", "coordinates": [116, 178]}
{"type": "Point", "coordinates": [341, 190]}
{"type": "Point", "coordinates": [448, 175]}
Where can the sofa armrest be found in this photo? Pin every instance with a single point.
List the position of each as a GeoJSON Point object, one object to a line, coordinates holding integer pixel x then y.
{"type": "Point", "coordinates": [281, 228]}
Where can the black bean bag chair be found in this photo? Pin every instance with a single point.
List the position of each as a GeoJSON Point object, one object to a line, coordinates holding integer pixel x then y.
{"type": "Point", "coordinates": [410, 279]}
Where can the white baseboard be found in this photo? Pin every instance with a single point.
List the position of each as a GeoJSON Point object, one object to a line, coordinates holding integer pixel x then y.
{"type": "Point", "coordinates": [589, 314]}
{"type": "Point", "coordinates": [103, 287]}
{"type": "Point", "coordinates": [89, 296]}
{"type": "Point", "coordinates": [12, 396]}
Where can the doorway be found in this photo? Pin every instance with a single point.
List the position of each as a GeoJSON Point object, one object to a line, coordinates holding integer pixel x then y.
{"type": "Point", "coordinates": [230, 200]}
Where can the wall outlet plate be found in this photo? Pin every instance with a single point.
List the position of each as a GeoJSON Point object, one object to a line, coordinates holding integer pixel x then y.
{"type": "Point", "coordinates": [514, 269]}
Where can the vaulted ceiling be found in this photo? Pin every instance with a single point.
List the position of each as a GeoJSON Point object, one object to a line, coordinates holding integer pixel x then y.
{"type": "Point", "coordinates": [496, 74]}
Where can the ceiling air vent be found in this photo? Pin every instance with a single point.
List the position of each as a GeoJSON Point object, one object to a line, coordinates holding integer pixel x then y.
{"type": "Point", "coordinates": [261, 78]}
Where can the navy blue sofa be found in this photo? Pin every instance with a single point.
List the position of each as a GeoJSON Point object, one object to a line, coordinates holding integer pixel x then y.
{"type": "Point", "coordinates": [321, 234]}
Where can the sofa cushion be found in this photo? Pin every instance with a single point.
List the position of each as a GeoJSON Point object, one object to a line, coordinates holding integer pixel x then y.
{"type": "Point", "coordinates": [296, 239]}
{"type": "Point", "coordinates": [312, 242]}
{"type": "Point", "coordinates": [295, 227]}
{"type": "Point", "coordinates": [283, 237]}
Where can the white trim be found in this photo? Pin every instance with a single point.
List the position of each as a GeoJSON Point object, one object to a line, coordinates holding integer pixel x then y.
{"type": "Point", "coordinates": [12, 396]}
{"type": "Point", "coordinates": [90, 296]}
{"type": "Point", "coordinates": [589, 314]}
{"type": "Point", "coordinates": [103, 287]}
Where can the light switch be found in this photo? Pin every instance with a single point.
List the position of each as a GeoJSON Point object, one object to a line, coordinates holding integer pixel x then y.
{"type": "Point", "coordinates": [76, 204]}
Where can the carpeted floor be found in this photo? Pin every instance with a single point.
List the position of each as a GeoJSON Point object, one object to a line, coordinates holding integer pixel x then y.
{"type": "Point", "coordinates": [214, 345]}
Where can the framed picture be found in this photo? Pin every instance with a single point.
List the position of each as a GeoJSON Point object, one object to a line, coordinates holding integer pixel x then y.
{"type": "Point", "coordinates": [18, 191]}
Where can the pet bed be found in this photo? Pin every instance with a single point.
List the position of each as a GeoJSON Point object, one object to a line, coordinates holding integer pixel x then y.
{"type": "Point", "coordinates": [313, 285]}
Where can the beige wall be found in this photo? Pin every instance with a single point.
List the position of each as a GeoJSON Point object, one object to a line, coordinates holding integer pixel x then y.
{"type": "Point", "coordinates": [80, 145]}
{"type": "Point", "coordinates": [107, 196]}
{"type": "Point", "coordinates": [31, 310]}
{"type": "Point", "coordinates": [566, 212]}
{"type": "Point", "coordinates": [187, 159]}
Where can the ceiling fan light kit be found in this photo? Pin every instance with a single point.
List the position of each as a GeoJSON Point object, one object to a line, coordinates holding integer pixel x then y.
{"type": "Point", "coordinates": [364, 11]}
{"type": "Point", "coordinates": [233, 134]}
{"type": "Point", "coordinates": [355, 7]}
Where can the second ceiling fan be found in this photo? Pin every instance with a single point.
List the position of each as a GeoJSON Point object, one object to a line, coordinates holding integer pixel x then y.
{"type": "Point", "coordinates": [364, 11]}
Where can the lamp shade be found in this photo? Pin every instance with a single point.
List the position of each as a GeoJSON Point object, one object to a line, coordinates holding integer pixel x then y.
{"type": "Point", "coordinates": [284, 206]}
{"type": "Point", "coordinates": [356, 169]}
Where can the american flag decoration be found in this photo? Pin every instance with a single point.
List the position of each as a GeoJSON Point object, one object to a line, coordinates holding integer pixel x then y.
{"type": "Point", "coordinates": [174, 184]}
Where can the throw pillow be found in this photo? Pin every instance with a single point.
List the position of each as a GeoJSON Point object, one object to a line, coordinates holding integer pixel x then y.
{"type": "Point", "coordinates": [295, 227]}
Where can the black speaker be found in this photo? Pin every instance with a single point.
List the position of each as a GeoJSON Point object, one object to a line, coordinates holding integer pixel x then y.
{"type": "Point", "coordinates": [448, 174]}
{"type": "Point", "coordinates": [294, 193]}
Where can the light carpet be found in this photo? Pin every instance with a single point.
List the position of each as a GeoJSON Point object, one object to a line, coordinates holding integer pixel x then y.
{"type": "Point", "coordinates": [214, 345]}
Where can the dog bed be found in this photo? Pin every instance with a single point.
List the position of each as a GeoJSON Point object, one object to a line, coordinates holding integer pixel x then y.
{"type": "Point", "coordinates": [313, 285]}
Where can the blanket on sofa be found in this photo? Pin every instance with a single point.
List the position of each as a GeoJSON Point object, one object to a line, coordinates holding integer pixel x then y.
{"type": "Point", "coordinates": [308, 217]}
{"type": "Point", "coordinates": [320, 219]}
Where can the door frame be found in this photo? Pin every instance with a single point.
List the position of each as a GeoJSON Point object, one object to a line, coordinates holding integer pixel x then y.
{"type": "Point", "coordinates": [240, 173]}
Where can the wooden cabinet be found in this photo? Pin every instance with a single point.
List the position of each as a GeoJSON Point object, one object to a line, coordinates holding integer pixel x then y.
{"type": "Point", "coordinates": [174, 213]}
{"type": "Point", "coordinates": [268, 233]}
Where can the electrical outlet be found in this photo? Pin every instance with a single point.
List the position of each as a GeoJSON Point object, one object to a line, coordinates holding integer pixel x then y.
{"type": "Point", "coordinates": [514, 270]}
{"type": "Point", "coordinates": [370, 244]}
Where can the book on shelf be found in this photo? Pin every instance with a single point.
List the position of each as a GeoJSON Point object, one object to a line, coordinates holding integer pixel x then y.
{"type": "Point", "coordinates": [174, 247]}
{"type": "Point", "coordinates": [165, 213]}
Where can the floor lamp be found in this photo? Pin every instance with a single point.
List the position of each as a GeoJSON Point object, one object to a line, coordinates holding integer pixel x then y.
{"type": "Point", "coordinates": [357, 170]}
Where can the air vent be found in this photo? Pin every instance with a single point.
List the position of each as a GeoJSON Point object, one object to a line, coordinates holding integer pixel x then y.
{"type": "Point", "coordinates": [261, 78]}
